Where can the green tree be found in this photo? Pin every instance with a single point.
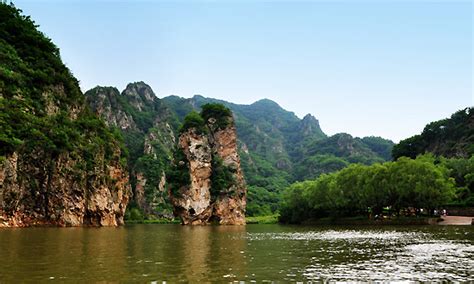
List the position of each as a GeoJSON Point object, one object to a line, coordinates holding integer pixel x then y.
{"type": "Point", "coordinates": [178, 174]}
{"type": "Point", "coordinates": [294, 207]}
{"type": "Point", "coordinates": [194, 120]}
{"type": "Point", "coordinates": [219, 112]}
{"type": "Point", "coordinates": [222, 178]}
{"type": "Point", "coordinates": [353, 191]}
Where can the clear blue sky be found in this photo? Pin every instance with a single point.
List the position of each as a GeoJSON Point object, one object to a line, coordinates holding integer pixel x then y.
{"type": "Point", "coordinates": [366, 68]}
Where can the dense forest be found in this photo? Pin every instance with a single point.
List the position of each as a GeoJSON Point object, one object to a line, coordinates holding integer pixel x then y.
{"type": "Point", "coordinates": [41, 105]}
{"type": "Point", "coordinates": [406, 184]}
{"type": "Point", "coordinates": [429, 171]}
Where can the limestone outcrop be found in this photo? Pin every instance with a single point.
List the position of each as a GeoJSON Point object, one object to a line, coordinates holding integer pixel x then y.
{"type": "Point", "coordinates": [37, 189]}
{"type": "Point", "coordinates": [215, 191]}
{"type": "Point", "coordinates": [230, 206]}
{"type": "Point", "coordinates": [144, 122]}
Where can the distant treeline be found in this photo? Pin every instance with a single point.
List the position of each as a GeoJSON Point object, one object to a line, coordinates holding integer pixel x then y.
{"type": "Point", "coordinates": [425, 182]}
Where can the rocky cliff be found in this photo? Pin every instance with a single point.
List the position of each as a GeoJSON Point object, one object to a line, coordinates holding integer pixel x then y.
{"type": "Point", "coordinates": [40, 190]}
{"type": "Point", "coordinates": [148, 128]}
{"type": "Point", "coordinates": [230, 204]}
{"type": "Point", "coordinates": [215, 190]}
{"type": "Point", "coordinates": [59, 164]}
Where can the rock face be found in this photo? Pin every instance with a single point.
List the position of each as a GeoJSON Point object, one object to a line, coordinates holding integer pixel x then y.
{"type": "Point", "coordinates": [230, 208]}
{"type": "Point", "coordinates": [38, 192]}
{"type": "Point", "coordinates": [309, 125]}
{"type": "Point", "coordinates": [59, 164]}
{"type": "Point", "coordinates": [193, 205]}
{"type": "Point", "coordinates": [148, 129]}
{"type": "Point", "coordinates": [104, 101]}
{"type": "Point", "coordinates": [204, 200]}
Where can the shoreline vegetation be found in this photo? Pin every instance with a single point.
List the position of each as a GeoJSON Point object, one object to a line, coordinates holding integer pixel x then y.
{"type": "Point", "coordinates": [357, 220]}
{"type": "Point", "coordinates": [269, 219]}
{"type": "Point", "coordinates": [338, 221]}
{"type": "Point", "coordinates": [424, 186]}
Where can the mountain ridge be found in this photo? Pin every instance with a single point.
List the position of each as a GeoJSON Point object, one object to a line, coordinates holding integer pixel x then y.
{"type": "Point", "coordinates": [449, 137]}
{"type": "Point", "coordinates": [273, 143]}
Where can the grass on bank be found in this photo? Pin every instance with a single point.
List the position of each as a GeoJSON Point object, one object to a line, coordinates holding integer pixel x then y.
{"type": "Point", "coordinates": [356, 220]}
{"type": "Point", "coordinates": [154, 221]}
{"type": "Point", "coordinates": [271, 219]}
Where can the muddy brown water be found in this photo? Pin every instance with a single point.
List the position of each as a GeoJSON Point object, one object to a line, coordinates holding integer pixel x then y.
{"type": "Point", "coordinates": [157, 253]}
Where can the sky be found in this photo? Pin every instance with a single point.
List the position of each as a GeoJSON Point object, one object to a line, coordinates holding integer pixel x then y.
{"type": "Point", "coordinates": [381, 68]}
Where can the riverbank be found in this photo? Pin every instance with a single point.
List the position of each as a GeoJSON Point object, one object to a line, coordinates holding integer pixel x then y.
{"type": "Point", "coordinates": [154, 221]}
{"type": "Point", "coordinates": [270, 219]}
{"type": "Point", "coordinates": [359, 220]}
{"type": "Point", "coordinates": [363, 220]}
{"type": "Point", "coordinates": [456, 220]}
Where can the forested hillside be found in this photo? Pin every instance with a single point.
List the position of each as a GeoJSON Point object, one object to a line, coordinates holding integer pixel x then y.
{"type": "Point", "coordinates": [432, 170]}
{"type": "Point", "coordinates": [276, 147]}
{"type": "Point", "coordinates": [51, 132]}
{"type": "Point", "coordinates": [450, 137]}
{"type": "Point", "coordinates": [149, 131]}
{"type": "Point", "coordinates": [56, 156]}
{"type": "Point", "coordinates": [451, 140]}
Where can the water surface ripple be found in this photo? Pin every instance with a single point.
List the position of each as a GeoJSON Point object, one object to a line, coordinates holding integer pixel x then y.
{"type": "Point", "coordinates": [156, 253]}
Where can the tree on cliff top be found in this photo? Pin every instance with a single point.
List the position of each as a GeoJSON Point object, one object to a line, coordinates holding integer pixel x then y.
{"type": "Point", "coordinates": [193, 120]}
{"type": "Point", "coordinates": [217, 111]}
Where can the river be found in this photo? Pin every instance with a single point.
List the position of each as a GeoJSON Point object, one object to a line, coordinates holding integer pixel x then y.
{"type": "Point", "coordinates": [171, 253]}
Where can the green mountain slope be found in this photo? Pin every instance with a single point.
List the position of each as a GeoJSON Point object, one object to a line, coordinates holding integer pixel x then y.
{"type": "Point", "coordinates": [338, 151]}
{"type": "Point", "coordinates": [149, 129]}
{"type": "Point", "coordinates": [450, 137]}
{"type": "Point", "coordinates": [41, 104]}
{"type": "Point", "coordinates": [277, 148]}
{"type": "Point", "coordinates": [53, 149]}
{"type": "Point", "coordinates": [451, 141]}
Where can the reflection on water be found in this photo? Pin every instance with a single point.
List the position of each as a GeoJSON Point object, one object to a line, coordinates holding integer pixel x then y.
{"type": "Point", "coordinates": [235, 253]}
{"type": "Point", "coordinates": [331, 235]}
{"type": "Point", "coordinates": [395, 257]}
